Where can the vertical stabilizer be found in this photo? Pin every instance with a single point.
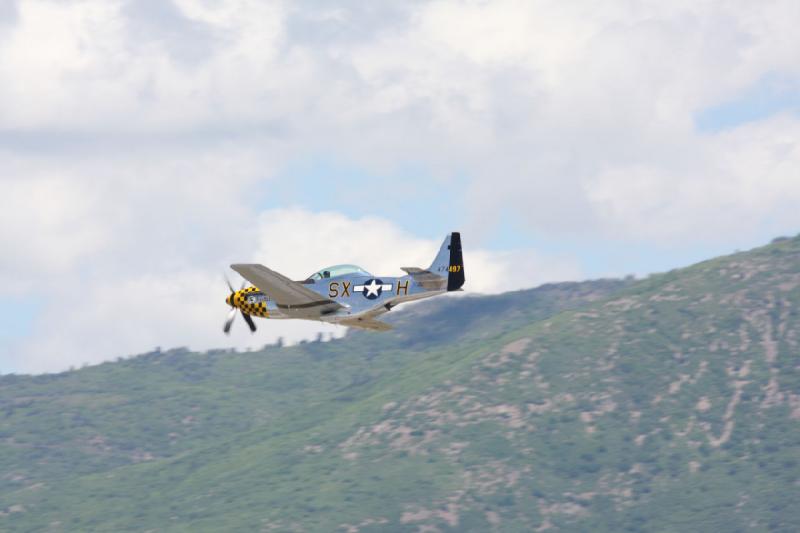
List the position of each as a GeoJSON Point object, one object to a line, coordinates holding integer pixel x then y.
{"type": "Point", "coordinates": [449, 262]}
{"type": "Point", "coordinates": [455, 278]}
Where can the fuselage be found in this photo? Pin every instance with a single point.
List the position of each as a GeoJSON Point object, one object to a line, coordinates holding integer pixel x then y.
{"type": "Point", "coordinates": [345, 294]}
{"type": "Point", "coordinates": [357, 295]}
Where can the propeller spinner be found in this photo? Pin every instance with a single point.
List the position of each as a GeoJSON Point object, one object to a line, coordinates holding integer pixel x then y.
{"type": "Point", "coordinates": [234, 309]}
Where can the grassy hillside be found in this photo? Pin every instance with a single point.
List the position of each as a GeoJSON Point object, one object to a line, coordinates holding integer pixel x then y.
{"type": "Point", "coordinates": [669, 404]}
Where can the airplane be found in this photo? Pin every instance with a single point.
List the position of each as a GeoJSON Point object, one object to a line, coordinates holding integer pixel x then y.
{"type": "Point", "coordinates": [343, 294]}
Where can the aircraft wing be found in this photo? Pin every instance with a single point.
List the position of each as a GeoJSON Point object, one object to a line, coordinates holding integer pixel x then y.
{"type": "Point", "coordinates": [365, 322]}
{"type": "Point", "coordinates": [287, 293]}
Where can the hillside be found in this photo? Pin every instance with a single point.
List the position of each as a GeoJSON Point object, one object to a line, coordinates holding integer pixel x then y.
{"type": "Point", "coordinates": [667, 404]}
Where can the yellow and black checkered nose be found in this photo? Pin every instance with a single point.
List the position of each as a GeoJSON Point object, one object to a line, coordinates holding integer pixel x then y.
{"type": "Point", "coordinates": [241, 304]}
{"type": "Point", "coordinates": [249, 301]}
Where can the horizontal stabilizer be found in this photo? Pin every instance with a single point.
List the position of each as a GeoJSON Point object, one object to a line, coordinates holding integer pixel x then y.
{"type": "Point", "coordinates": [425, 278]}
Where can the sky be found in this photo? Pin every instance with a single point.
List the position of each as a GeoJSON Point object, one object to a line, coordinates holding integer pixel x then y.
{"type": "Point", "coordinates": [145, 145]}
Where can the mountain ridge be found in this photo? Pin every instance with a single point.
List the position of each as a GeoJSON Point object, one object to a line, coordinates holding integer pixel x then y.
{"type": "Point", "coordinates": [662, 403]}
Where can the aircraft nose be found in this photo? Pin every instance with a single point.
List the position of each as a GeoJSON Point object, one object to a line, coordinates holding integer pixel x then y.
{"type": "Point", "coordinates": [228, 299]}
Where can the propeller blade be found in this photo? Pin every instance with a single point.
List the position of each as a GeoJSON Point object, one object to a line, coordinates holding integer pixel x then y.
{"type": "Point", "coordinates": [249, 321]}
{"type": "Point", "coordinates": [228, 282]}
{"type": "Point", "coordinates": [229, 321]}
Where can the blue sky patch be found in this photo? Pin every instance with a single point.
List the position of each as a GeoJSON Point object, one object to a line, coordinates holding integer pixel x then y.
{"type": "Point", "coordinates": [769, 96]}
{"type": "Point", "coordinates": [409, 196]}
{"type": "Point", "coordinates": [16, 322]}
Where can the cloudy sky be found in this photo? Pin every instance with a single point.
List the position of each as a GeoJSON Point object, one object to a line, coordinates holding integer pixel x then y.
{"type": "Point", "coordinates": [147, 144]}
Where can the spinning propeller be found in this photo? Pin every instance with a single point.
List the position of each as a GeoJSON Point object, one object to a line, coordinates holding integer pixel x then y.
{"type": "Point", "coordinates": [234, 309]}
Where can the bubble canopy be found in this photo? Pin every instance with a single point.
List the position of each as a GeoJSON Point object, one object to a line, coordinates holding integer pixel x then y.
{"type": "Point", "coordinates": [338, 270]}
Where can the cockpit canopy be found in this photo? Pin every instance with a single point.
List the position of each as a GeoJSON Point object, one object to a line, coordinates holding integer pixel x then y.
{"type": "Point", "coordinates": [338, 270]}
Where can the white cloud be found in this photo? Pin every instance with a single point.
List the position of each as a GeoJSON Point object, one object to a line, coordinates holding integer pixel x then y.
{"type": "Point", "coordinates": [46, 226]}
{"type": "Point", "coordinates": [745, 182]}
{"type": "Point", "coordinates": [142, 211]}
{"type": "Point", "coordinates": [317, 240]}
{"type": "Point", "coordinates": [136, 135]}
{"type": "Point", "coordinates": [185, 307]}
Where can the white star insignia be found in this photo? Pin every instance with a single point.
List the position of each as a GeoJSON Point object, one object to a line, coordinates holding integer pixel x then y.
{"type": "Point", "coordinates": [372, 288]}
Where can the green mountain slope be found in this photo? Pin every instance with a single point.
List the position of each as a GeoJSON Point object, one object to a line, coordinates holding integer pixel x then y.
{"type": "Point", "coordinates": [669, 404]}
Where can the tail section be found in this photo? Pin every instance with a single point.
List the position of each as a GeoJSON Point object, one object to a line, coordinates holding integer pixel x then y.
{"type": "Point", "coordinates": [450, 262]}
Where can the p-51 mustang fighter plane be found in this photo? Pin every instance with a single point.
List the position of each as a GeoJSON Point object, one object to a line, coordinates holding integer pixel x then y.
{"type": "Point", "coordinates": [343, 294]}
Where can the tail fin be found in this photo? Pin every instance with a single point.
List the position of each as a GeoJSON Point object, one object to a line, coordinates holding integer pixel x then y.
{"type": "Point", "coordinates": [449, 262]}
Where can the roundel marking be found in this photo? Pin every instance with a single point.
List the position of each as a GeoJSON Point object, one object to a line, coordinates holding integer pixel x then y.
{"type": "Point", "coordinates": [372, 289]}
